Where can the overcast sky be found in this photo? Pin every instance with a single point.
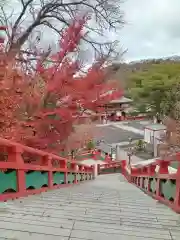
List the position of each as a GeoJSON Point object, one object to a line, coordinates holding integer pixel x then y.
{"type": "Point", "coordinates": [152, 29]}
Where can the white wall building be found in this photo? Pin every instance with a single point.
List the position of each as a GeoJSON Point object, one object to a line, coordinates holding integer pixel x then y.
{"type": "Point", "coordinates": [153, 134]}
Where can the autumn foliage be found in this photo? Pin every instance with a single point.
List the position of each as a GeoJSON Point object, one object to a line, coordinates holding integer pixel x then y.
{"type": "Point", "coordinates": [40, 110]}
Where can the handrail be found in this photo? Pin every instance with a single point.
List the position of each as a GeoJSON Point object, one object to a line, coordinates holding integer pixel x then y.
{"type": "Point", "coordinates": [157, 180]}
{"type": "Point", "coordinates": [140, 117]}
{"type": "Point", "coordinates": [109, 168]}
{"type": "Point", "coordinates": [25, 170]}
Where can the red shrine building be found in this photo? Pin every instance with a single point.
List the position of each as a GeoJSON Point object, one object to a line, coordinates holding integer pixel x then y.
{"type": "Point", "coordinates": [116, 110]}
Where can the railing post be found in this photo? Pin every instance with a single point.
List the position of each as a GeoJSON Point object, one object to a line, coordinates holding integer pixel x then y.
{"type": "Point", "coordinates": [94, 154]}
{"type": "Point", "coordinates": [98, 169]}
{"type": "Point", "coordinates": [15, 155]}
{"type": "Point", "coordinates": [95, 170]}
{"type": "Point", "coordinates": [63, 165]}
{"type": "Point", "coordinates": [158, 188]}
{"type": "Point", "coordinates": [86, 172]}
{"type": "Point", "coordinates": [65, 172]}
{"type": "Point", "coordinates": [163, 169]}
{"type": "Point", "coordinates": [151, 170]}
{"type": "Point", "coordinates": [74, 169]}
{"type": "Point", "coordinates": [106, 158]}
{"type": "Point", "coordinates": [163, 166]}
{"type": "Point", "coordinates": [109, 158]}
{"type": "Point", "coordinates": [123, 166]}
{"type": "Point", "coordinates": [98, 154]}
{"type": "Point", "coordinates": [177, 194]}
{"type": "Point", "coordinates": [81, 170]}
{"type": "Point", "coordinates": [48, 160]}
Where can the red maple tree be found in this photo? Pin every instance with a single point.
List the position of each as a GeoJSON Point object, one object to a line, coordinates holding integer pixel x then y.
{"type": "Point", "coordinates": [41, 112]}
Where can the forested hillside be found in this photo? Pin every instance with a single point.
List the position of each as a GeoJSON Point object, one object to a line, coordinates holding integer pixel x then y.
{"type": "Point", "coordinates": [122, 71]}
{"type": "Point", "coordinates": [149, 82]}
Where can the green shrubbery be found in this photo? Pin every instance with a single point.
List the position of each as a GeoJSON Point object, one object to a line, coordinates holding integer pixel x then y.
{"type": "Point", "coordinates": [90, 145]}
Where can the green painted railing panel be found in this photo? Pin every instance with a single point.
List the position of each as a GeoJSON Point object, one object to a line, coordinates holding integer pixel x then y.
{"type": "Point", "coordinates": [174, 165]}
{"type": "Point", "coordinates": [58, 178]}
{"type": "Point", "coordinates": [36, 179]}
{"type": "Point", "coordinates": [8, 181]}
{"type": "Point", "coordinates": [167, 186]}
{"type": "Point", "coordinates": [70, 177]}
{"type": "Point", "coordinates": [168, 189]}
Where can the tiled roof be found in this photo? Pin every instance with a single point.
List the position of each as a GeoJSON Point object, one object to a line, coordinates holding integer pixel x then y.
{"type": "Point", "coordinates": [122, 100]}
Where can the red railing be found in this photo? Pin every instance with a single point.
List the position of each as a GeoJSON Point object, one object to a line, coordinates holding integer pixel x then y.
{"type": "Point", "coordinates": [136, 117]}
{"type": "Point", "coordinates": [24, 171]}
{"type": "Point", "coordinates": [157, 180]}
{"type": "Point", "coordinates": [109, 168]}
{"type": "Point", "coordinates": [129, 118]}
{"type": "Point", "coordinates": [97, 155]}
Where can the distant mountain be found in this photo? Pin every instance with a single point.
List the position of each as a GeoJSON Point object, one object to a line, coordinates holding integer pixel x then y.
{"type": "Point", "coordinates": [175, 58]}
{"type": "Point", "coordinates": [121, 71]}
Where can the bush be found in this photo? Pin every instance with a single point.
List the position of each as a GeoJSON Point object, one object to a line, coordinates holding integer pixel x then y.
{"type": "Point", "coordinates": [90, 145]}
{"type": "Point", "coordinates": [140, 145]}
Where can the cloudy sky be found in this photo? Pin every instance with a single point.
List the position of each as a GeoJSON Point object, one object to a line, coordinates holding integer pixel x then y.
{"type": "Point", "coordinates": [152, 28]}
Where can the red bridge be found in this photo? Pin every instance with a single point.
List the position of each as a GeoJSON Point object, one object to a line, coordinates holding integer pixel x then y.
{"type": "Point", "coordinates": [47, 197]}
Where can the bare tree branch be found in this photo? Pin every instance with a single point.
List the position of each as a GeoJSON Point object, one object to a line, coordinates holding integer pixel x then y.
{"type": "Point", "coordinates": [55, 14]}
{"type": "Point", "coordinates": [25, 6]}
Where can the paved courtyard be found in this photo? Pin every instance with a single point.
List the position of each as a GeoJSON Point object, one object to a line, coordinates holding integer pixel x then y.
{"type": "Point", "coordinates": [116, 133]}
{"type": "Point", "coordinates": [107, 208]}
